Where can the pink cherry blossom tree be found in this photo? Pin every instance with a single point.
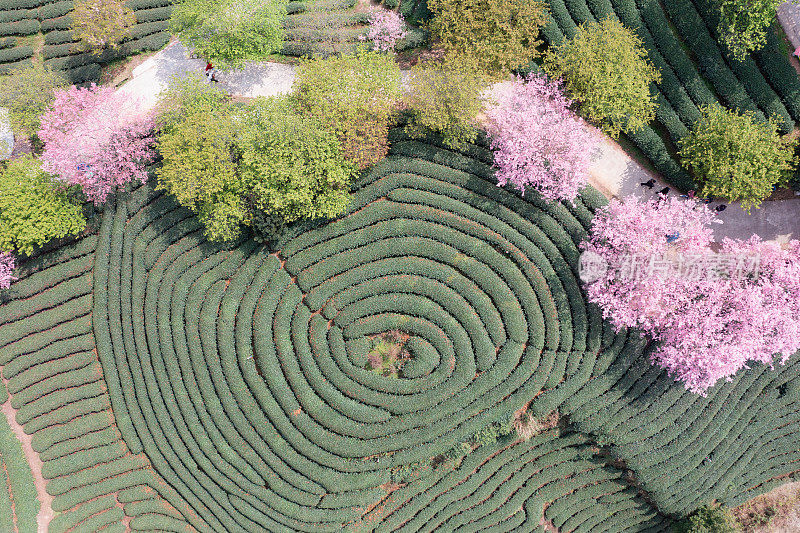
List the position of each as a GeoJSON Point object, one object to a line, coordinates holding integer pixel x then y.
{"type": "Point", "coordinates": [712, 312]}
{"type": "Point", "coordinates": [537, 141]}
{"type": "Point", "coordinates": [97, 138]}
{"type": "Point", "coordinates": [7, 264]}
{"type": "Point", "coordinates": [385, 29]}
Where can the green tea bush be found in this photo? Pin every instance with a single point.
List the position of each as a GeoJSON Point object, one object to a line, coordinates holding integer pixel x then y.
{"type": "Point", "coordinates": [22, 27]}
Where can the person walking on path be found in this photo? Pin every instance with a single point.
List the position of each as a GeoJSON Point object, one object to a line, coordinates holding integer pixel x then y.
{"type": "Point", "coordinates": [648, 184]}
{"type": "Point", "coordinates": [211, 72]}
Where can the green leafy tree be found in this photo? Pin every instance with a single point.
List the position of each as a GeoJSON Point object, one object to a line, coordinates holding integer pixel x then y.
{"type": "Point", "coordinates": [199, 168]}
{"type": "Point", "coordinates": [735, 157]}
{"type": "Point", "coordinates": [743, 24]}
{"type": "Point", "coordinates": [606, 69]}
{"type": "Point", "coordinates": [101, 24]}
{"type": "Point", "coordinates": [27, 92]}
{"type": "Point", "coordinates": [291, 167]}
{"type": "Point", "coordinates": [197, 131]}
{"type": "Point", "coordinates": [33, 210]}
{"type": "Point", "coordinates": [497, 35]}
{"type": "Point", "coordinates": [445, 98]}
{"type": "Point", "coordinates": [230, 32]}
{"type": "Point", "coordinates": [711, 518]}
{"type": "Point", "coordinates": [262, 165]}
{"type": "Point", "coordinates": [184, 96]}
{"type": "Point", "coordinates": [353, 95]}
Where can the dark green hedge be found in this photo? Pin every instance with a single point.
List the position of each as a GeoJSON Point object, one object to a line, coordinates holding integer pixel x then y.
{"type": "Point", "coordinates": [8, 55]}
{"type": "Point", "coordinates": [23, 27]}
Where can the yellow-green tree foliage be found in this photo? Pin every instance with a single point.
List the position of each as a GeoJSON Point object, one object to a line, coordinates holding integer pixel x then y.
{"type": "Point", "coordinates": [496, 35]}
{"type": "Point", "coordinates": [445, 98]}
{"type": "Point", "coordinates": [33, 209]}
{"type": "Point", "coordinates": [736, 157]}
{"type": "Point", "coordinates": [101, 24]}
{"type": "Point", "coordinates": [197, 142]}
{"type": "Point", "coordinates": [605, 68]}
{"type": "Point", "coordinates": [353, 95]}
{"type": "Point", "coordinates": [27, 92]}
{"type": "Point", "coordinates": [292, 167]}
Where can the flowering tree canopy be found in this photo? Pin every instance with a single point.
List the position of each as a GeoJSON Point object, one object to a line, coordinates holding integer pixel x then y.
{"type": "Point", "coordinates": [96, 138]}
{"type": "Point", "coordinates": [711, 311]}
{"type": "Point", "coordinates": [537, 141]}
{"type": "Point", "coordinates": [7, 264]}
{"type": "Point", "coordinates": [385, 29]}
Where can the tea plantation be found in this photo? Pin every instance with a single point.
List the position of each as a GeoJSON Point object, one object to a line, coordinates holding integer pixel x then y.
{"type": "Point", "coordinates": [22, 20]}
{"type": "Point", "coordinates": [681, 40]}
{"type": "Point", "coordinates": [173, 384]}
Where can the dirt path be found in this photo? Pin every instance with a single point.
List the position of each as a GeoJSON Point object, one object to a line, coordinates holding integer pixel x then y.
{"type": "Point", "coordinates": [45, 500]}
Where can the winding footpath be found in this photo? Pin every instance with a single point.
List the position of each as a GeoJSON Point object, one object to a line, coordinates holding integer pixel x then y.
{"type": "Point", "coordinates": [613, 172]}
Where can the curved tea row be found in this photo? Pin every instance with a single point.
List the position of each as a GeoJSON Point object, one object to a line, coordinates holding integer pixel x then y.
{"type": "Point", "coordinates": [55, 382]}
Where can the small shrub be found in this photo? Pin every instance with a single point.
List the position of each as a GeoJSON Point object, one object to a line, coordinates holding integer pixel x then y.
{"type": "Point", "coordinates": [711, 518]}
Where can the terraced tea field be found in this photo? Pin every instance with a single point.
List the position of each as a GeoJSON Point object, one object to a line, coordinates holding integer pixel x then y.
{"type": "Point", "coordinates": [173, 384]}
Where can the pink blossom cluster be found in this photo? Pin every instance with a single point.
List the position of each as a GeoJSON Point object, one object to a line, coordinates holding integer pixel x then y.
{"type": "Point", "coordinates": [97, 138]}
{"type": "Point", "coordinates": [709, 327]}
{"type": "Point", "coordinates": [7, 264]}
{"type": "Point", "coordinates": [537, 141]}
{"type": "Point", "coordinates": [385, 29]}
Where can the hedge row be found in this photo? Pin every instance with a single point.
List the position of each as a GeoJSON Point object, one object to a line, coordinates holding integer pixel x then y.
{"type": "Point", "coordinates": [18, 501]}
{"type": "Point", "coordinates": [555, 476]}
{"type": "Point", "coordinates": [22, 27]}
{"type": "Point", "coordinates": [8, 55]}
{"type": "Point", "coordinates": [55, 10]}
{"type": "Point", "coordinates": [54, 379]}
{"type": "Point", "coordinates": [17, 14]}
{"type": "Point", "coordinates": [5, 68]}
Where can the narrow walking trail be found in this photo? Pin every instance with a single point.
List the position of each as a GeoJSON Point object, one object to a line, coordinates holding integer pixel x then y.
{"type": "Point", "coordinates": [614, 172]}
{"type": "Point", "coordinates": [45, 500]}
